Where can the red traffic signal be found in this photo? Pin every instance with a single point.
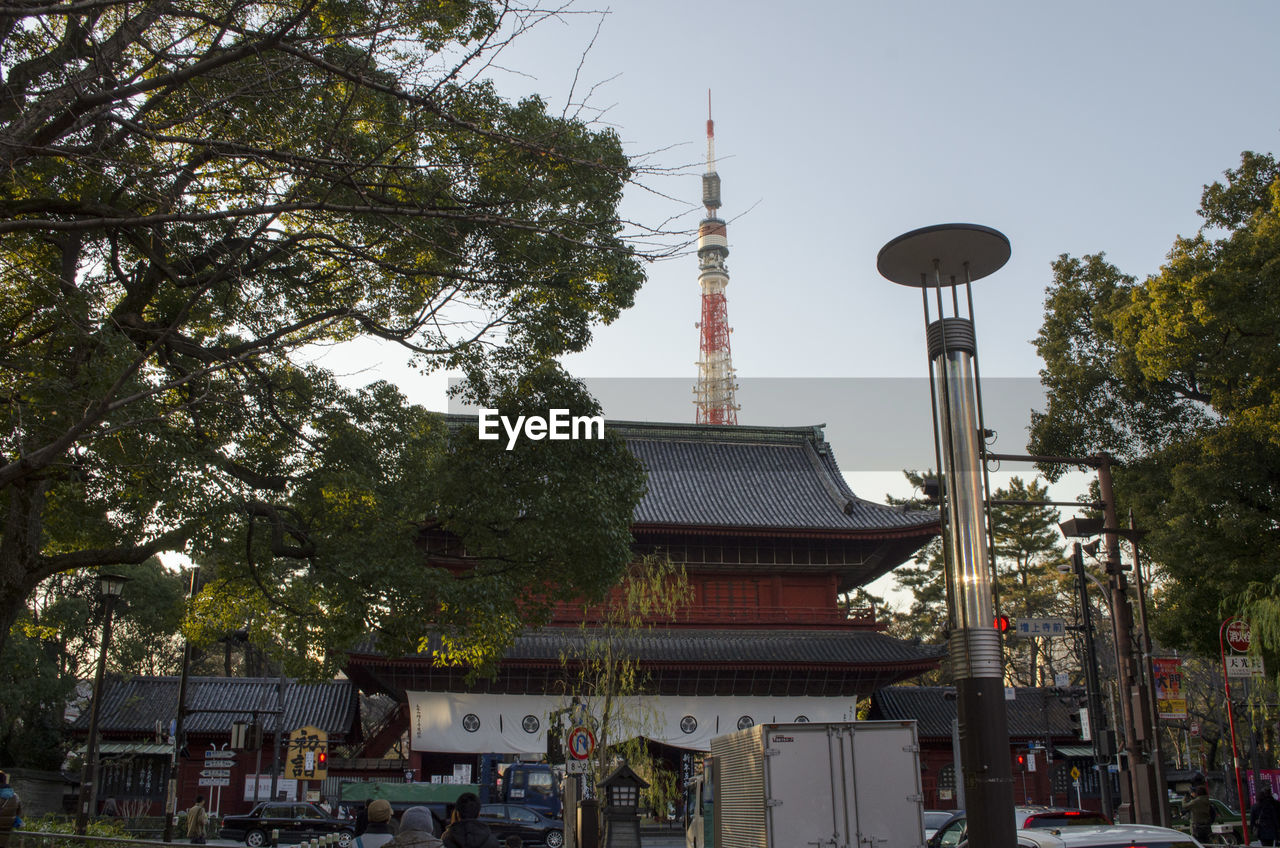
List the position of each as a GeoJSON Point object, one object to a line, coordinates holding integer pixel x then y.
{"type": "Point", "coordinates": [322, 758]}
{"type": "Point", "coordinates": [1002, 623]}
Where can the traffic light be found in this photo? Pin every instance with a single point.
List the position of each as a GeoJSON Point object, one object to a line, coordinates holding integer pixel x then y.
{"type": "Point", "coordinates": [1002, 623]}
{"type": "Point", "coordinates": [322, 759]}
{"type": "Point", "coordinates": [1022, 762]}
{"type": "Point", "coordinates": [1076, 723]}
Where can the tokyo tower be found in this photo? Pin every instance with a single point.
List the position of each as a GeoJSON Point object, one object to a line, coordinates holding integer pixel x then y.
{"type": "Point", "coordinates": [714, 394]}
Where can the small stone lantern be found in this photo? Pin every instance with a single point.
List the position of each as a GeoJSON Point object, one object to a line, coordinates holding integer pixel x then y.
{"type": "Point", "coordinates": [621, 807]}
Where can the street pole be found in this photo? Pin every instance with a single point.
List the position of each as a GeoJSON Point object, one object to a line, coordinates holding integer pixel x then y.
{"type": "Point", "coordinates": [1231, 723]}
{"type": "Point", "coordinates": [1093, 692]}
{"type": "Point", "coordinates": [933, 258]}
{"type": "Point", "coordinates": [1138, 773]}
{"type": "Point", "coordinates": [1163, 817]}
{"type": "Point", "coordinates": [171, 796]}
{"type": "Point", "coordinates": [111, 588]}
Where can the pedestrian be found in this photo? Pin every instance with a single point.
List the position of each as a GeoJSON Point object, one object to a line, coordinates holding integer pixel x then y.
{"type": "Point", "coordinates": [362, 819]}
{"type": "Point", "coordinates": [1202, 814]}
{"type": "Point", "coordinates": [10, 810]}
{"type": "Point", "coordinates": [197, 822]}
{"type": "Point", "coordinates": [468, 831]}
{"type": "Point", "coordinates": [110, 808]}
{"type": "Point", "coordinates": [1264, 817]}
{"type": "Point", "coordinates": [380, 830]}
{"type": "Point", "coordinates": [417, 830]}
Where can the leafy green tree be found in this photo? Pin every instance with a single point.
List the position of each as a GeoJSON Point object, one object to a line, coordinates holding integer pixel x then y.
{"type": "Point", "coordinates": [1178, 377]}
{"type": "Point", "coordinates": [1026, 543]}
{"type": "Point", "coordinates": [197, 195]}
{"type": "Point", "coordinates": [608, 680]}
{"type": "Point", "coordinates": [1028, 583]}
{"type": "Point", "coordinates": [55, 643]}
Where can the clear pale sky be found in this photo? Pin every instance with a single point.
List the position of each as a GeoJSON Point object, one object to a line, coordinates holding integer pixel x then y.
{"type": "Point", "coordinates": [1071, 127]}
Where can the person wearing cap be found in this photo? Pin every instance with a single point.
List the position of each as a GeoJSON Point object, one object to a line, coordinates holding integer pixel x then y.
{"type": "Point", "coordinates": [10, 810]}
{"type": "Point", "coordinates": [417, 830]}
{"type": "Point", "coordinates": [380, 831]}
{"type": "Point", "coordinates": [468, 831]}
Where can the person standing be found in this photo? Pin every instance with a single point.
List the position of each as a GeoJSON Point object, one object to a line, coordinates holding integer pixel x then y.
{"type": "Point", "coordinates": [1264, 817]}
{"type": "Point", "coordinates": [197, 822]}
{"type": "Point", "coordinates": [417, 830]}
{"type": "Point", "coordinates": [10, 810]}
{"type": "Point", "coordinates": [468, 831]}
{"type": "Point", "coordinates": [379, 831]}
{"type": "Point", "coordinates": [1202, 814]}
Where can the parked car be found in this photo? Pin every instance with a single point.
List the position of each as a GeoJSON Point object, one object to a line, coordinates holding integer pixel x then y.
{"type": "Point", "coordinates": [934, 819]}
{"type": "Point", "coordinates": [954, 831]}
{"type": "Point", "coordinates": [1226, 817]}
{"type": "Point", "coordinates": [1105, 836]}
{"type": "Point", "coordinates": [295, 820]}
{"type": "Point", "coordinates": [531, 826]}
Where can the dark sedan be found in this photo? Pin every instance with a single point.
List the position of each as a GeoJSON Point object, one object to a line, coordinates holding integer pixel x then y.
{"type": "Point", "coordinates": [295, 820]}
{"type": "Point", "coordinates": [532, 827]}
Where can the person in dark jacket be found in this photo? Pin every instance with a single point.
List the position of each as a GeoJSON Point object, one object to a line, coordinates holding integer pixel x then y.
{"type": "Point", "coordinates": [417, 830]}
{"type": "Point", "coordinates": [1264, 817]}
{"type": "Point", "coordinates": [468, 832]}
{"type": "Point", "coordinates": [380, 830]}
{"type": "Point", "coordinates": [1202, 813]}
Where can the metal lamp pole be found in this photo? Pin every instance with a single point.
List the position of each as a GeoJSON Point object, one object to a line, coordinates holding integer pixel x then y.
{"type": "Point", "coordinates": [111, 585]}
{"type": "Point", "coordinates": [1093, 692]}
{"type": "Point", "coordinates": [934, 258]}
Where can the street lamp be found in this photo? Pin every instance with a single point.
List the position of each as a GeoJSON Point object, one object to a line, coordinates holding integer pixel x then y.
{"type": "Point", "coordinates": [1097, 718]}
{"type": "Point", "coordinates": [950, 256]}
{"type": "Point", "coordinates": [111, 585]}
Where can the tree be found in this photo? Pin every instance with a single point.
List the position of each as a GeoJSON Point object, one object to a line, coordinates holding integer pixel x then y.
{"type": "Point", "coordinates": [608, 680]}
{"type": "Point", "coordinates": [1026, 544]}
{"type": "Point", "coordinates": [1027, 580]}
{"type": "Point", "coordinates": [1179, 378]}
{"type": "Point", "coordinates": [197, 194]}
{"type": "Point", "coordinates": [55, 644]}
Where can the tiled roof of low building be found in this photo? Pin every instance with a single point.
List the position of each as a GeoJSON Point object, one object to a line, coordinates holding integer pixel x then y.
{"type": "Point", "coordinates": [135, 704]}
{"type": "Point", "coordinates": [753, 477]}
{"type": "Point", "coordinates": [1032, 714]}
{"type": "Point", "coordinates": [731, 646]}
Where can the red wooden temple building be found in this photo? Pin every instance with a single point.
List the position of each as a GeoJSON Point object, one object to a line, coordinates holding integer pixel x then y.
{"type": "Point", "coordinates": [770, 536]}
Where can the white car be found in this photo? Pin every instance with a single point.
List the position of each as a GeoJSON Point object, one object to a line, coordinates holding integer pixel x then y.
{"type": "Point", "coordinates": [1109, 836]}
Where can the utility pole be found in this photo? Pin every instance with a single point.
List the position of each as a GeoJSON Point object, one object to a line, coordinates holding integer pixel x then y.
{"type": "Point", "coordinates": [1093, 692]}
{"type": "Point", "coordinates": [1142, 802]}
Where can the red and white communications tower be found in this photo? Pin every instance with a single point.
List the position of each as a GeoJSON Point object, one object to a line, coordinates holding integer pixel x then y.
{"type": "Point", "coordinates": [714, 394]}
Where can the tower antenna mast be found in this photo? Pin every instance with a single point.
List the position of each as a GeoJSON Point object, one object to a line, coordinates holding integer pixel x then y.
{"type": "Point", "coordinates": [715, 392]}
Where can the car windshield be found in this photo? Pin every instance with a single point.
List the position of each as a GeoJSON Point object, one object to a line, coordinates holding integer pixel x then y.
{"type": "Point", "coordinates": [1058, 818]}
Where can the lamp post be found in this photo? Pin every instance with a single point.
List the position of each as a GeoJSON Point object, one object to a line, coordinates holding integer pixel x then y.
{"type": "Point", "coordinates": [111, 585]}
{"type": "Point", "coordinates": [1093, 691]}
{"type": "Point", "coordinates": [934, 258]}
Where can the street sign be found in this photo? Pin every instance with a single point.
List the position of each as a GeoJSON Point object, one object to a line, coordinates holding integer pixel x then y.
{"type": "Point", "coordinates": [1239, 636]}
{"type": "Point", "coordinates": [307, 758]}
{"type": "Point", "coordinates": [1241, 666]}
{"type": "Point", "coordinates": [1075, 773]}
{"type": "Point", "coordinates": [214, 781]}
{"type": "Point", "coordinates": [582, 742]}
{"type": "Point", "coordinates": [577, 766]}
{"type": "Point", "coordinates": [214, 772]}
{"type": "Point", "coordinates": [219, 755]}
{"type": "Point", "coordinates": [1042, 627]}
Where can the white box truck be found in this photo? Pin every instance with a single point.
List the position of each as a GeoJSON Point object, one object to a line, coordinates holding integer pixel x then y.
{"type": "Point", "coordinates": [826, 785]}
